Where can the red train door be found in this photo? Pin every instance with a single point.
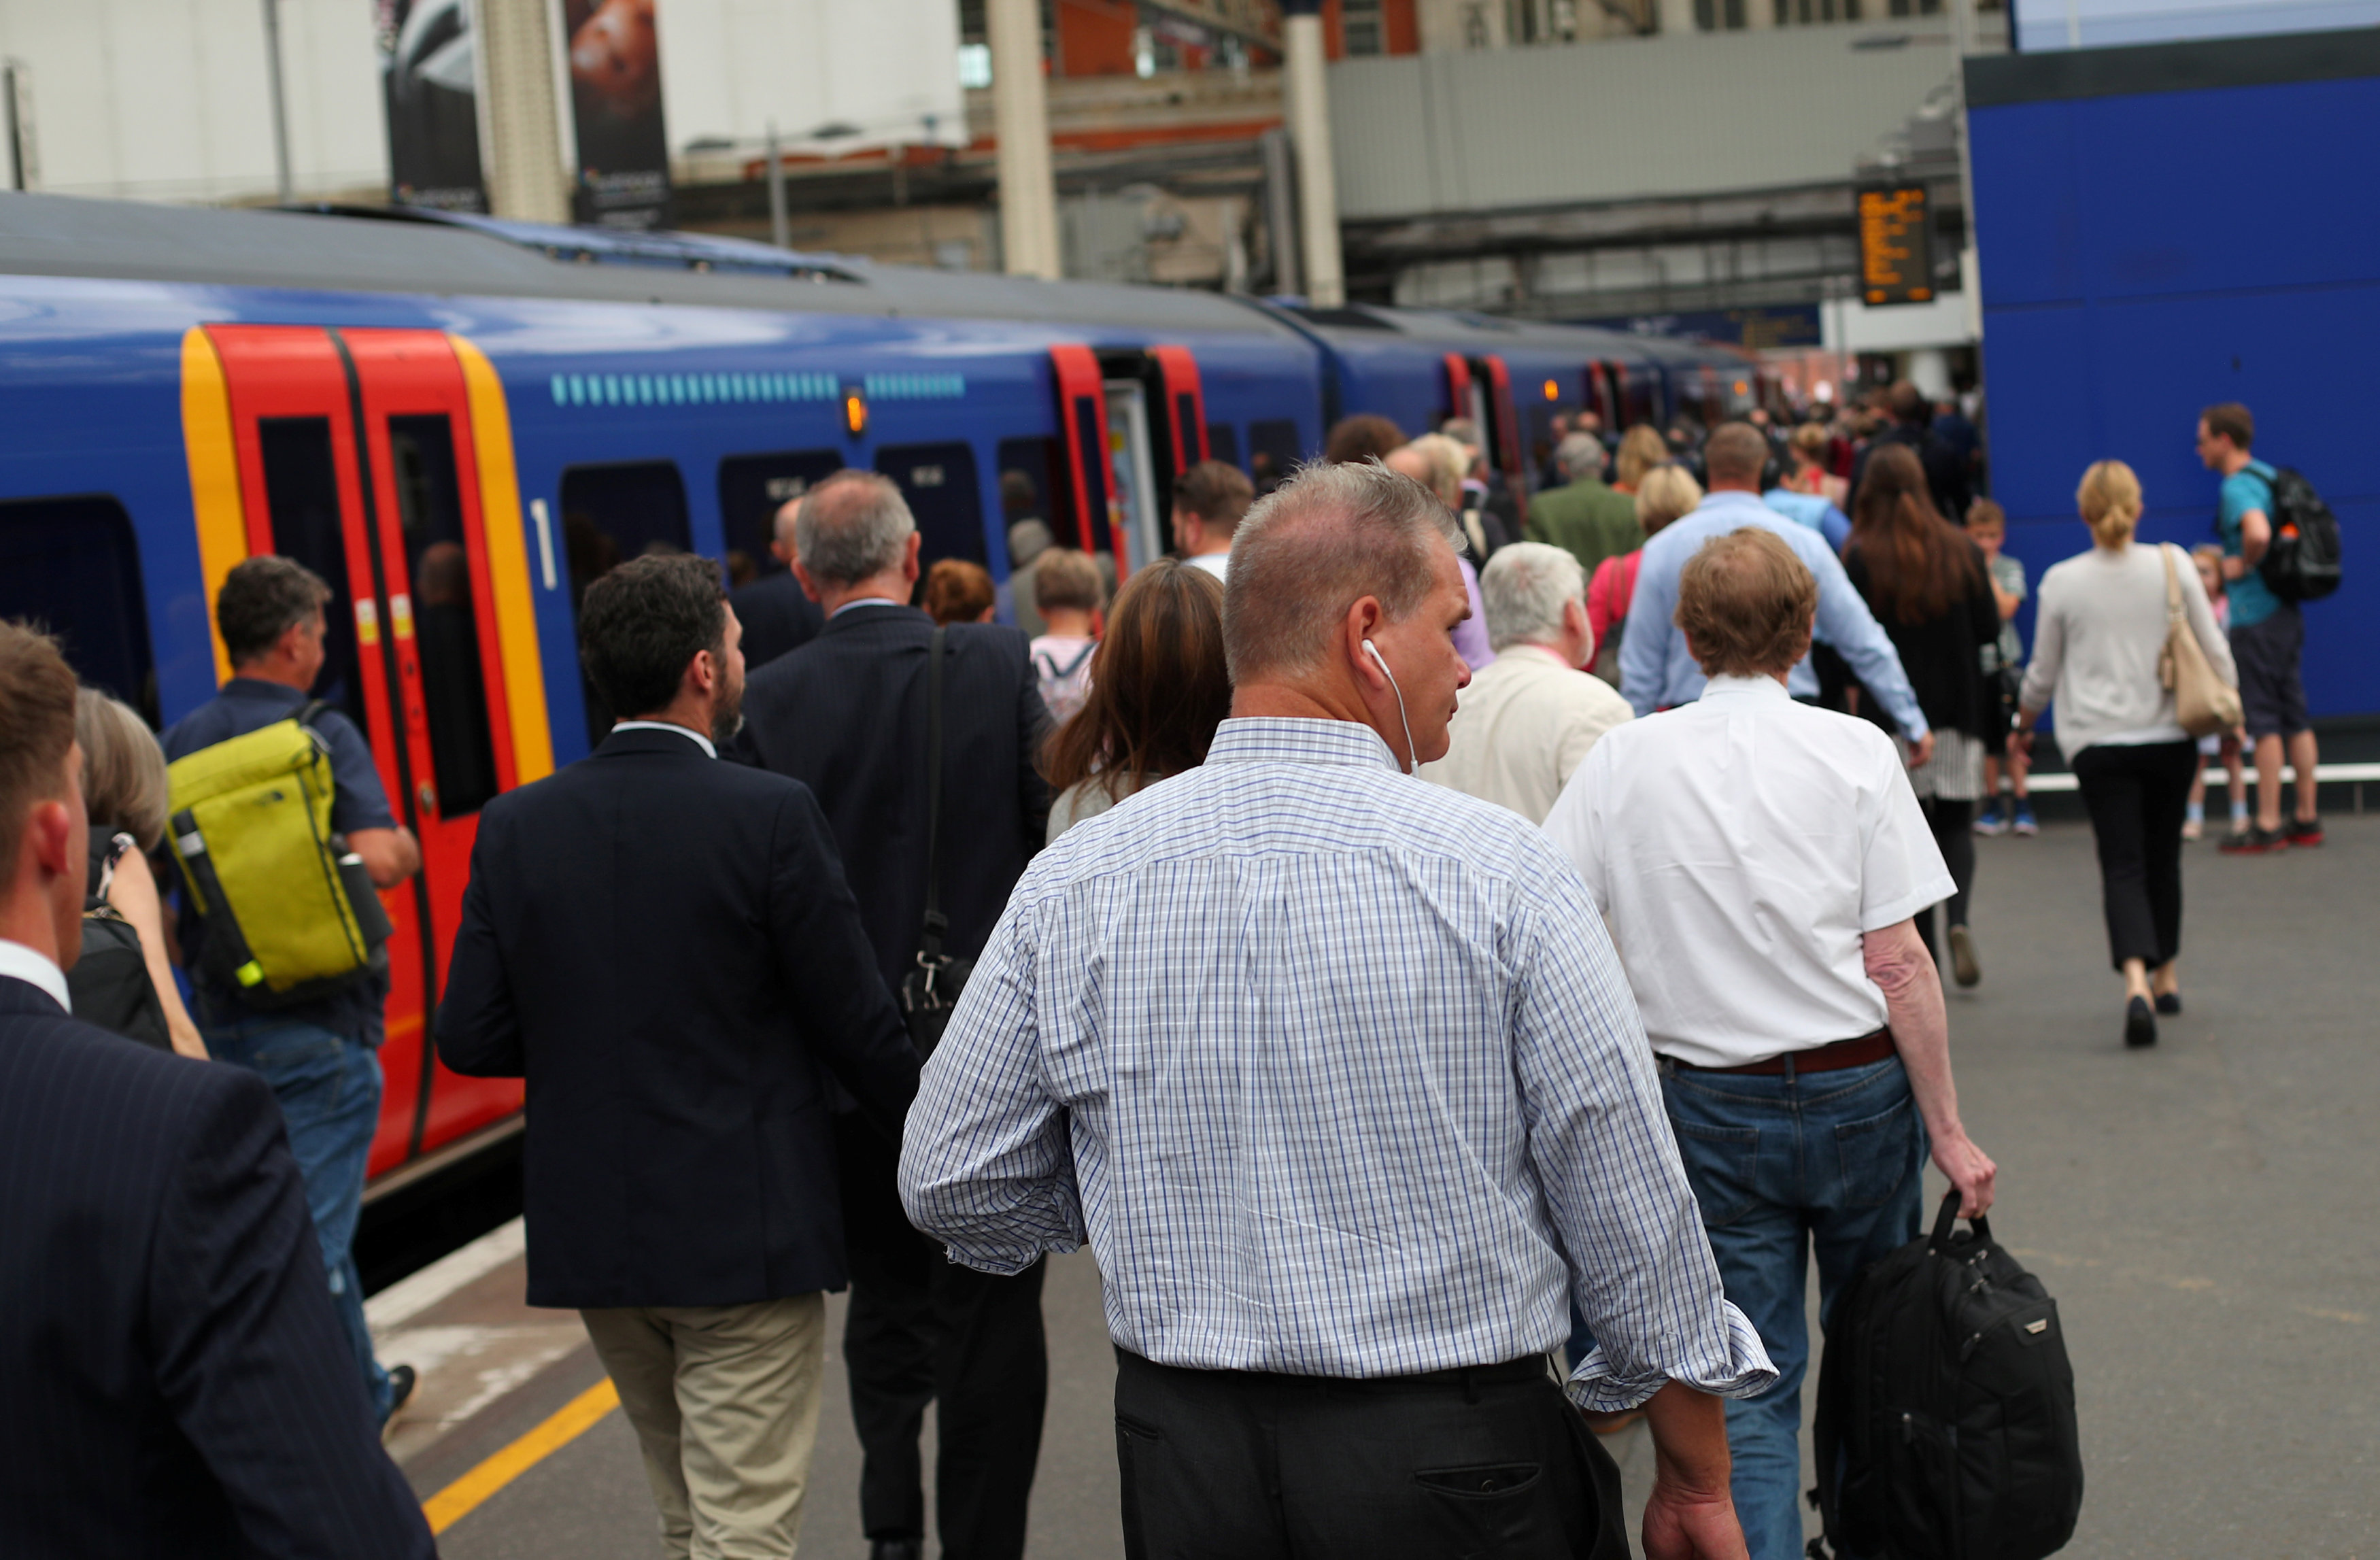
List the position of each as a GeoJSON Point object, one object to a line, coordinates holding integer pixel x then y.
{"type": "Point", "coordinates": [354, 455]}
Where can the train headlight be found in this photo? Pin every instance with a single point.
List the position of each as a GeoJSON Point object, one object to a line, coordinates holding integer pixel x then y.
{"type": "Point", "coordinates": [854, 413]}
{"type": "Point", "coordinates": [1553, 391]}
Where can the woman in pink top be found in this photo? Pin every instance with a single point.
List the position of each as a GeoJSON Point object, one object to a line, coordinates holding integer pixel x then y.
{"type": "Point", "coordinates": [1665, 493]}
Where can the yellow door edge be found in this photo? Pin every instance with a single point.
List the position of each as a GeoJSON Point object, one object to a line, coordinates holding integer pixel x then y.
{"type": "Point", "coordinates": [216, 503]}
{"type": "Point", "coordinates": [508, 579]}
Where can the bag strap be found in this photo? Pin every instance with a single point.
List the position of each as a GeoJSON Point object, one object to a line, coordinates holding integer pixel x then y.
{"type": "Point", "coordinates": [1948, 1217]}
{"type": "Point", "coordinates": [2173, 613]}
{"type": "Point", "coordinates": [930, 941]}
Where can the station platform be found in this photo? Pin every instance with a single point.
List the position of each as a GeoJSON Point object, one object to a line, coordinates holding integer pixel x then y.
{"type": "Point", "coordinates": [2202, 1212]}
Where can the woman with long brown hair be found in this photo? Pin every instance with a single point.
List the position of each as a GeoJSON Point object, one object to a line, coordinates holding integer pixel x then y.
{"type": "Point", "coordinates": [1159, 688]}
{"type": "Point", "coordinates": [1929, 585]}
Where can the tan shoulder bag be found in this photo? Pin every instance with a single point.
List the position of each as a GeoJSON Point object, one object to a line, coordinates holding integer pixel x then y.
{"type": "Point", "coordinates": [2203, 703]}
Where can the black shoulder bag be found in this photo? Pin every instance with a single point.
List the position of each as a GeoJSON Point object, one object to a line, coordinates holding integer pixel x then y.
{"type": "Point", "coordinates": [929, 992]}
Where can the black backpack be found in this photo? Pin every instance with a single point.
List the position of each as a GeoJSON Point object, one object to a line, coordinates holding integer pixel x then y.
{"type": "Point", "coordinates": [2302, 564]}
{"type": "Point", "coordinates": [1945, 1402]}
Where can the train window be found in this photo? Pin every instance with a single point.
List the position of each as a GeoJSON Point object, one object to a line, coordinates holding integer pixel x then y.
{"type": "Point", "coordinates": [752, 487]}
{"type": "Point", "coordinates": [939, 481]}
{"type": "Point", "coordinates": [1029, 486]}
{"type": "Point", "coordinates": [610, 513]}
{"type": "Point", "coordinates": [73, 567]}
{"type": "Point", "coordinates": [1223, 443]}
{"type": "Point", "coordinates": [445, 629]}
{"type": "Point", "coordinates": [301, 497]}
{"type": "Point", "coordinates": [1273, 452]}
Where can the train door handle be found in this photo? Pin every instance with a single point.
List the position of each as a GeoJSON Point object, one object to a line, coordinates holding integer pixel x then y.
{"type": "Point", "coordinates": [429, 795]}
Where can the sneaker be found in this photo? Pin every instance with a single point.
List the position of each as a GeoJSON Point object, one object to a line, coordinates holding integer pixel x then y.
{"type": "Point", "coordinates": [2255, 840]}
{"type": "Point", "coordinates": [2139, 1024]}
{"type": "Point", "coordinates": [2024, 823]}
{"type": "Point", "coordinates": [2304, 832]}
{"type": "Point", "coordinates": [2193, 828]}
{"type": "Point", "coordinates": [1989, 821]}
{"type": "Point", "coordinates": [1964, 967]}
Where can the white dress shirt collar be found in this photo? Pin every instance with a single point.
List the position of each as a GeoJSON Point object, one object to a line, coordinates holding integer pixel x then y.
{"type": "Point", "coordinates": [1726, 684]}
{"type": "Point", "coordinates": [698, 738]}
{"type": "Point", "coordinates": [18, 962]}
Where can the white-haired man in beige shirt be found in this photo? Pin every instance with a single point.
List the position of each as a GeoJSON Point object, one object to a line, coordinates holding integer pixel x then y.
{"type": "Point", "coordinates": [1529, 717]}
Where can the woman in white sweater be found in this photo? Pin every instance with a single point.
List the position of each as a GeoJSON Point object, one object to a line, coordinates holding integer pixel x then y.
{"type": "Point", "coordinates": [2098, 643]}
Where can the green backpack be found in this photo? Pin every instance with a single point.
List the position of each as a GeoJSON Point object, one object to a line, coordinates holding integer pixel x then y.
{"type": "Point", "coordinates": [289, 910]}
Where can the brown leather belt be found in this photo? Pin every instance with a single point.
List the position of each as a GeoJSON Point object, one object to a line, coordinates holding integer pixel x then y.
{"type": "Point", "coordinates": [1867, 1050]}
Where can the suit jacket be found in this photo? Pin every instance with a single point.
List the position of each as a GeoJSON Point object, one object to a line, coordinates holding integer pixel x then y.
{"type": "Point", "coordinates": [664, 946]}
{"type": "Point", "coordinates": [777, 616]}
{"type": "Point", "coordinates": [173, 1380]}
{"type": "Point", "coordinates": [845, 715]}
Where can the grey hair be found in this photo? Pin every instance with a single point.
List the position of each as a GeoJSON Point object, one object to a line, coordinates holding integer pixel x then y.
{"type": "Point", "coordinates": [1449, 462]}
{"type": "Point", "coordinates": [853, 526]}
{"type": "Point", "coordinates": [1312, 548]}
{"type": "Point", "coordinates": [780, 529]}
{"type": "Point", "coordinates": [1581, 455]}
{"type": "Point", "coordinates": [1524, 589]}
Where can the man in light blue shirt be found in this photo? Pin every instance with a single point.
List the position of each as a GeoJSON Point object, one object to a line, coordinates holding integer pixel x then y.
{"type": "Point", "coordinates": [1337, 1074]}
{"type": "Point", "coordinates": [1657, 670]}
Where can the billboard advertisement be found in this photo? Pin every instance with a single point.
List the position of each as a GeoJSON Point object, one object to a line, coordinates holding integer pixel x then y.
{"type": "Point", "coordinates": [426, 72]}
{"type": "Point", "coordinates": [623, 177]}
{"type": "Point", "coordinates": [833, 78]}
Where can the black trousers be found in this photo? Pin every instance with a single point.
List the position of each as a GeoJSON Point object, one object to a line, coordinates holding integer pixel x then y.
{"type": "Point", "coordinates": [1952, 824]}
{"type": "Point", "coordinates": [2137, 796]}
{"type": "Point", "coordinates": [921, 1329]}
{"type": "Point", "coordinates": [1230, 1465]}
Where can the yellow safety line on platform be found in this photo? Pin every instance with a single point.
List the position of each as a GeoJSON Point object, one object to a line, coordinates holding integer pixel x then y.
{"type": "Point", "coordinates": [465, 1495]}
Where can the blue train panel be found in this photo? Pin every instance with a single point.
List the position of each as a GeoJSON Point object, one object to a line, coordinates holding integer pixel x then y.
{"type": "Point", "coordinates": [2165, 228]}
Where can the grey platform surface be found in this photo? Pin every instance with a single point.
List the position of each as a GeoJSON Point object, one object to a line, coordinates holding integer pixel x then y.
{"type": "Point", "coordinates": [2204, 1213]}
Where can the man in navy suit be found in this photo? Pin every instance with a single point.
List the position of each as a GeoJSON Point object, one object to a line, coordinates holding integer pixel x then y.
{"type": "Point", "coordinates": [846, 714]}
{"type": "Point", "coordinates": [776, 613]}
{"type": "Point", "coordinates": [664, 946]}
{"type": "Point", "coordinates": [173, 1380]}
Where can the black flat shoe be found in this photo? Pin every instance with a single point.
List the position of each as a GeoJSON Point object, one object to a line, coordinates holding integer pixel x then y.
{"type": "Point", "coordinates": [2139, 1024]}
{"type": "Point", "coordinates": [2169, 1003]}
{"type": "Point", "coordinates": [402, 1380]}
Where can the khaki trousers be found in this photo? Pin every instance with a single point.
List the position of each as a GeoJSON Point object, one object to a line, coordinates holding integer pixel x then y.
{"type": "Point", "coordinates": [724, 1400]}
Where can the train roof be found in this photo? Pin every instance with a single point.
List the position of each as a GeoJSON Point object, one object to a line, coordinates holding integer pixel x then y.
{"type": "Point", "coordinates": [396, 250]}
{"type": "Point", "coordinates": [1455, 329]}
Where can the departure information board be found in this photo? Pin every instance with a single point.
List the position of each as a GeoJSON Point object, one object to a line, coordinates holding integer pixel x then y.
{"type": "Point", "coordinates": [1896, 244]}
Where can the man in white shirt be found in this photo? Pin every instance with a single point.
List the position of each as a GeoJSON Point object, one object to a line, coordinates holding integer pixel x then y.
{"type": "Point", "coordinates": [1209, 501]}
{"type": "Point", "coordinates": [1532, 713]}
{"type": "Point", "coordinates": [1759, 862]}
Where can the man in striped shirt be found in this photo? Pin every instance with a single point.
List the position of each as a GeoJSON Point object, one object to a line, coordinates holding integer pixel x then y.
{"type": "Point", "coordinates": [1338, 1075]}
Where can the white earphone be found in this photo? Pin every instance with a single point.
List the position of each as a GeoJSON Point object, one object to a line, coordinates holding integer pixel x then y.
{"type": "Point", "coordinates": [1374, 652]}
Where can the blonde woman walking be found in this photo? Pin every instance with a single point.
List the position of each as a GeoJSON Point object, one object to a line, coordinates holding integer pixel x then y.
{"type": "Point", "coordinates": [2097, 646]}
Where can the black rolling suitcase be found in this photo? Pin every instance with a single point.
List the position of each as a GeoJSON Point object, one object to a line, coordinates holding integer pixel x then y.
{"type": "Point", "coordinates": [1946, 1408]}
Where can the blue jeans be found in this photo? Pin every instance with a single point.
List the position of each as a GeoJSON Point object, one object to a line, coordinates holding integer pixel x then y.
{"type": "Point", "coordinates": [1778, 1163]}
{"type": "Point", "coordinates": [329, 1086]}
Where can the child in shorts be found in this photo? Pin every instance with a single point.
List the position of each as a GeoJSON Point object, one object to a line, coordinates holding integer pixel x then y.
{"type": "Point", "coordinates": [1988, 526]}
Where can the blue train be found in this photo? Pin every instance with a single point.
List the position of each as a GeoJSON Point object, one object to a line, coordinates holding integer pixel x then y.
{"type": "Point", "coordinates": [459, 422]}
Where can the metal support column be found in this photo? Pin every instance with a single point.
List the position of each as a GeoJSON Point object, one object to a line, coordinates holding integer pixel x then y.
{"type": "Point", "coordinates": [780, 229]}
{"type": "Point", "coordinates": [526, 177]}
{"type": "Point", "coordinates": [281, 180]}
{"type": "Point", "coordinates": [1309, 129]}
{"type": "Point", "coordinates": [1020, 108]}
